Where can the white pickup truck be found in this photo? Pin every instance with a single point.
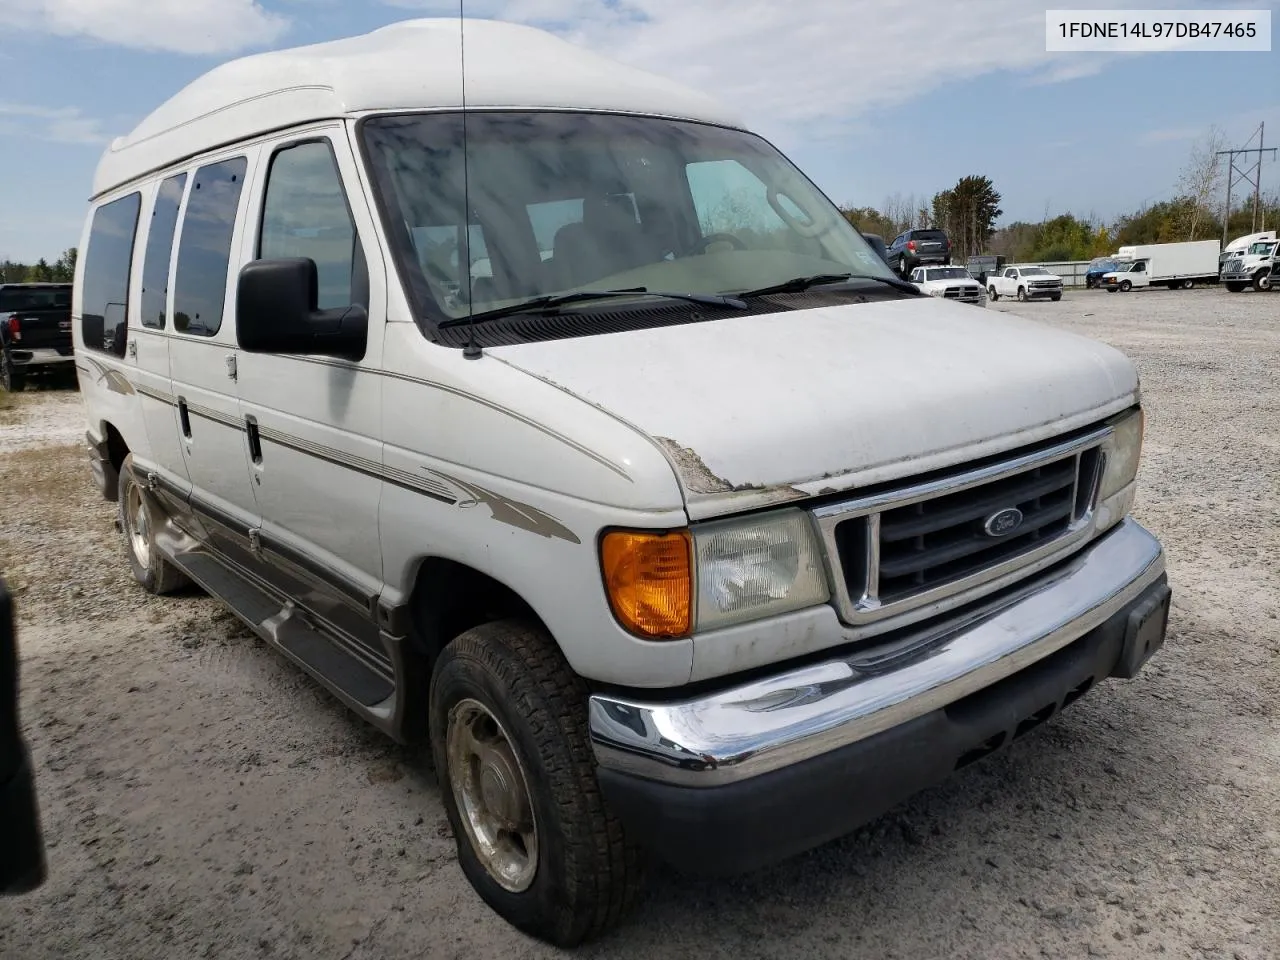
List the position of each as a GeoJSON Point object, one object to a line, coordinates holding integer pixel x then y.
{"type": "Point", "coordinates": [950, 283]}
{"type": "Point", "coordinates": [1025, 283]}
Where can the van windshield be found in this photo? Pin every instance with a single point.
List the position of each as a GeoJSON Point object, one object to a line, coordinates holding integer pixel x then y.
{"type": "Point", "coordinates": [561, 202]}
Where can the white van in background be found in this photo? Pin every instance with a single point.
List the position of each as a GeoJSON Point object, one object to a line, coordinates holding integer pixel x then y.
{"type": "Point", "coordinates": [704, 538]}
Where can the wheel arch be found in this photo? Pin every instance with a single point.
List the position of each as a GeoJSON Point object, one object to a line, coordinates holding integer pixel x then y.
{"type": "Point", "coordinates": [447, 599]}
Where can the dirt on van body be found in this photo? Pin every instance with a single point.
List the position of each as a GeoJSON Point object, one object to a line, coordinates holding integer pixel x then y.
{"type": "Point", "coordinates": [202, 798]}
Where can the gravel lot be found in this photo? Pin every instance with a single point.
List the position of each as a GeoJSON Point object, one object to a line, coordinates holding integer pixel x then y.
{"type": "Point", "coordinates": [202, 798]}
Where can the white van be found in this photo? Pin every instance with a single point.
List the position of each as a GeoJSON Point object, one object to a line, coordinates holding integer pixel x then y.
{"type": "Point", "coordinates": [704, 538]}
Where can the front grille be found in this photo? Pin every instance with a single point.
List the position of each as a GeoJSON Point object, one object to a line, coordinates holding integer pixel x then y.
{"type": "Point", "coordinates": [932, 542]}
{"type": "Point", "coordinates": [964, 531]}
{"type": "Point", "coordinates": [1046, 283]}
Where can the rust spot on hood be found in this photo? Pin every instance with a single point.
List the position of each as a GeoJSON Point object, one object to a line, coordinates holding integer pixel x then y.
{"type": "Point", "coordinates": [697, 476]}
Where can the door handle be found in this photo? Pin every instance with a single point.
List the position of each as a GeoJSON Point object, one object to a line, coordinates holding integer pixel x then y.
{"type": "Point", "coordinates": [255, 439]}
{"type": "Point", "coordinates": [133, 348]}
{"type": "Point", "coordinates": [184, 417]}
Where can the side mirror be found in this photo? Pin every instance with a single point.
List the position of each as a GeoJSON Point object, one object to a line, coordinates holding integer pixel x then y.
{"type": "Point", "coordinates": [276, 313]}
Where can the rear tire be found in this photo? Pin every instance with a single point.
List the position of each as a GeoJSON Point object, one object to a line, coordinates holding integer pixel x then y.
{"type": "Point", "coordinates": [11, 378]}
{"type": "Point", "coordinates": [1188, 284]}
{"type": "Point", "coordinates": [552, 860]}
{"type": "Point", "coordinates": [150, 568]}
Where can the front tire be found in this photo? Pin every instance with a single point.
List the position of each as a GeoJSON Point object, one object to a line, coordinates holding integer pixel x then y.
{"type": "Point", "coordinates": [1125, 286]}
{"type": "Point", "coordinates": [1022, 294]}
{"type": "Point", "coordinates": [1234, 286]}
{"type": "Point", "coordinates": [1056, 297]}
{"type": "Point", "coordinates": [150, 568]}
{"type": "Point", "coordinates": [1262, 280]}
{"type": "Point", "coordinates": [517, 775]}
{"type": "Point", "coordinates": [991, 292]}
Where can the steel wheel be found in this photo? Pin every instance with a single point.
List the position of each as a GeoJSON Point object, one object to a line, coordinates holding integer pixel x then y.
{"type": "Point", "coordinates": [138, 525]}
{"type": "Point", "coordinates": [492, 793]}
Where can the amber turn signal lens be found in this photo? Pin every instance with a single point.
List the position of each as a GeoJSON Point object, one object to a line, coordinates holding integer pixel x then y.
{"type": "Point", "coordinates": [649, 579]}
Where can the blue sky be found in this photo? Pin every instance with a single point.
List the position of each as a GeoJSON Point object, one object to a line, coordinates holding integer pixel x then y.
{"type": "Point", "coordinates": [869, 99]}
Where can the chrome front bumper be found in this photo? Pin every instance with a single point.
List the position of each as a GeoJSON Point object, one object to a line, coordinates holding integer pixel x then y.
{"type": "Point", "coordinates": [773, 723]}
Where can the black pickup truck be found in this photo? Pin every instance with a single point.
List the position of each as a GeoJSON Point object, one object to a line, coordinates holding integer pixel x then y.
{"type": "Point", "coordinates": [35, 332]}
{"type": "Point", "coordinates": [22, 859]}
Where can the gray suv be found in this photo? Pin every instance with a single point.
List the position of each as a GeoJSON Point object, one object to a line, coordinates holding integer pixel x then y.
{"type": "Point", "coordinates": [916, 248]}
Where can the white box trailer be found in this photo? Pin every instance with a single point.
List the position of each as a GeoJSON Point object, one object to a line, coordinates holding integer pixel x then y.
{"type": "Point", "coordinates": [1171, 265]}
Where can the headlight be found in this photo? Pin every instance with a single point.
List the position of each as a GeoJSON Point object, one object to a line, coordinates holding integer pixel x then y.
{"type": "Point", "coordinates": [1121, 453]}
{"type": "Point", "coordinates": [757, 567]}
{"type": "Point", "coordinates": [743, 570]}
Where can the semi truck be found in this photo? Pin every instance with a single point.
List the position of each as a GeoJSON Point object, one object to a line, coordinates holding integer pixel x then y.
{"type": "Point", "coordinates": [1250, 266]}
{"type": "Point", "coordinates": [1171, 265]}
{"type": "Point", "coordinates": [1240, 245]}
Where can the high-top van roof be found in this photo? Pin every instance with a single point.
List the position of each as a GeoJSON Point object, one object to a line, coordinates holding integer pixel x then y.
{"type": "Point", "coordinates": [414, 65]}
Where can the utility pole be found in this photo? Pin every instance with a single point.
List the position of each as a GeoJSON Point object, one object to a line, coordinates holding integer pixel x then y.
{"type": "Point", "coordinates": [1250, 174]}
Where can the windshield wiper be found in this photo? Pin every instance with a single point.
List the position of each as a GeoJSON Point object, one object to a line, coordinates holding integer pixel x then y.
{"type": "Point", "coordinates": [800, 284]}
{"type": "Point", "coordinates": [552, 301]}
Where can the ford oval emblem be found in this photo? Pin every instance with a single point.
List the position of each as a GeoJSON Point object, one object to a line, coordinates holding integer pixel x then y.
{"type": "Point", "coordinates": [1003, 522]}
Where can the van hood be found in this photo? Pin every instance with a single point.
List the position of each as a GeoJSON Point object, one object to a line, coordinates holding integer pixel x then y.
{"type": "Point", "coordinates": [765, 409]}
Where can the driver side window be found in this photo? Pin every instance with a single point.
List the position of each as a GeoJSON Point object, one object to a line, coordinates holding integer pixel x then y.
{"type": "Point", "coordinates": [305, 214]}
{"type": "Point", "coordinates": [730, 199]}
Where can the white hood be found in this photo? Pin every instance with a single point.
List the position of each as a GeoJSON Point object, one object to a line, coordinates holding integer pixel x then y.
{"type": "Point", "coordinates": [765, 408]}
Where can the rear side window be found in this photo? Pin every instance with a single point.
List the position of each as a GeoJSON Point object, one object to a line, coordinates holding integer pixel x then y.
{"type": "Point", "coordinates": [155, 263]}
{"type": "Point", "coordinates": [14, 299]}
{"type": "Point", "coordinates": [104, 301]}
{"type": "Point", "coordinates": [305, 215]}
{"type": "Point", "coordinates": [204, 252]}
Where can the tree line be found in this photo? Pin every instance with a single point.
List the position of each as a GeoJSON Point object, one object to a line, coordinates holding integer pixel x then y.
{"type": "Point", "coordinates": [62, 270]}
{"type": "Point", "coordinates": [969, 211]}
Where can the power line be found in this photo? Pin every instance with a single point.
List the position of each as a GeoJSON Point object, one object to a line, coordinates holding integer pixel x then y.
{"type": "Point", "coordinates": [1250, 174]}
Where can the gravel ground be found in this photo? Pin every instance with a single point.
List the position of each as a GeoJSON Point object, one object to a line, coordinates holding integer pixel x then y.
{"type": "Point", "coordinates": [40, 418]}
{"type": "Point", "coordinates": [203, 799]}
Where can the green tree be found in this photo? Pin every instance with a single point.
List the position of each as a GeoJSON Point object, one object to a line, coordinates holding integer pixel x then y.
{"type": "Point", "coordinates": [968, 212]}
{"type": "Point", "coordinates": [64, 268]}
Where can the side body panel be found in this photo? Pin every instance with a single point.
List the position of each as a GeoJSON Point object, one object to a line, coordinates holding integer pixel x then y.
{"type": "Point", "coordinates": [316, 464]}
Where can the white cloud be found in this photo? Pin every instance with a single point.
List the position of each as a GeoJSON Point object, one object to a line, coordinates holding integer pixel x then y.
{"type": "Point", "coordinates": [180, 26]}
{"type": "Point", "coordinates": [810, 63]}
{"type": "Point", "coordinates": [57, 124]}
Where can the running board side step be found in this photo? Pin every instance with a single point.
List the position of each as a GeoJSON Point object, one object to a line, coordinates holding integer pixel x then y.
{"type": "Point", "coordinates": [368, 691]}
